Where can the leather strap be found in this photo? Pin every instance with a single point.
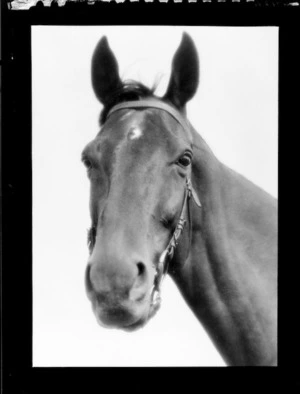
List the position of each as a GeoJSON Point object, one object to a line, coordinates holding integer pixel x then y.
{"type": "Point", "coordinates": [154, 104]}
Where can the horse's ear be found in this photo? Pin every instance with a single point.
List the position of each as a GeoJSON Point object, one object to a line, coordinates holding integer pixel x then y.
{"type": "Point", "coordinates": [185, 73]}
{"type": "Point", "coordinates": [105, 71]}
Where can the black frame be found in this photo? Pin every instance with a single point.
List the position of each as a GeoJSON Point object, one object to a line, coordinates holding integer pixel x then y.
{"type": "Point", "coordinates": [18, 373]}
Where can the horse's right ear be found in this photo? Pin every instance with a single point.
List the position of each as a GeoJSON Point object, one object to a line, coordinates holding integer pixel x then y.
{"type": "Point", "coordinates": [105, 71]}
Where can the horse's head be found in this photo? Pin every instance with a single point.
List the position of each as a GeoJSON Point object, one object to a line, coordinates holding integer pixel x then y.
{"type": "Point", "coordinates": [139, 166]}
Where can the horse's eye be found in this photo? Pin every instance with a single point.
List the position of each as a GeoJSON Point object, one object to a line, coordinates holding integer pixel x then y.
{"type": "Point", "coordinates": [185, 160]}
{"type": "Point", "coordinates": [87, 163]}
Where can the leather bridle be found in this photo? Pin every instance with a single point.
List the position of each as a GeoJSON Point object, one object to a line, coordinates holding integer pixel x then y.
{"type": "Point", "coordinates": [168, 253]}
{"type": "Point", "coordinates": [150, 103]}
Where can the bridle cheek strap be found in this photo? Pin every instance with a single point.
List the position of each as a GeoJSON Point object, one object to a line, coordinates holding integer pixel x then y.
{"type": "Point", "coordinates": [168, 253]}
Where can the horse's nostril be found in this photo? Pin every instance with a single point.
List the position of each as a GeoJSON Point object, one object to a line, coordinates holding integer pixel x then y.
{"type": "Point", "coordinates": [141, 269]}
{"type": "Point", "coordinates": [141, 275]}
{"type": "Point", "coordinates": [88, 282]}
{"type": "Point", "coordinates": [138, 290]}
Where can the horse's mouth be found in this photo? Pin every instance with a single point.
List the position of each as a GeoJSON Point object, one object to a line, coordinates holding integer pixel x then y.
{"type": "Point", "coordinates": [126, 317]}
{"type": "Point", "coordinates": [154, 307]}
{"type": "Point", "coordinates": [135, 326]}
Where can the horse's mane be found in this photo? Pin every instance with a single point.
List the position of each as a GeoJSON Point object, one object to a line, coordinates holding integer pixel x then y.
{"type": "Point", "coordinates": [128, 91]}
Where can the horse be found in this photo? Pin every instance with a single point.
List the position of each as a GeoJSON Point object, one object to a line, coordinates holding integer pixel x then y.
{"type": "Point", "coordinates": [162, 203]}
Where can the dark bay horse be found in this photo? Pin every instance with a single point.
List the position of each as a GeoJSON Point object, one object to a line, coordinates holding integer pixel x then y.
{"type": "Point", "coordinates": [161, 202]}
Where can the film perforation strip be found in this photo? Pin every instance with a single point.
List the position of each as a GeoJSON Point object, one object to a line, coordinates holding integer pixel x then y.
{"type": "Point", "coordinates": [28, 4]}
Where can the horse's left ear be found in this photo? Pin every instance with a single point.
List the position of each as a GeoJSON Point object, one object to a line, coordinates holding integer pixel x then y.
{"type": "Point", "coordinates": [185, 73]}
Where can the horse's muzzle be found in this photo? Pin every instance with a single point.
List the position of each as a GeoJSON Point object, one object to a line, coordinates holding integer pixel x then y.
{"type": "Point", "coordinates": [120, 298]}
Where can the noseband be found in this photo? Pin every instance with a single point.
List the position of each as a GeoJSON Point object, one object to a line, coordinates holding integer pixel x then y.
{"type": "Point", "coordinates": [168, 253]}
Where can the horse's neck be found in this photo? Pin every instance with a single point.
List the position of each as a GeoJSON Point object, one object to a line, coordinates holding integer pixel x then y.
{"type": "Point", "coordinates": [230, 277]}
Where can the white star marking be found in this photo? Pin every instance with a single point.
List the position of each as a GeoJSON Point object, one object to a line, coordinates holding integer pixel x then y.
{"type": "Point", "coordinates": [134, 133]}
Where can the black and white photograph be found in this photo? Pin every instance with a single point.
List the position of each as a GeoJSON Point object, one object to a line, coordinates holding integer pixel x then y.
{"type": "Point", "coordinates": [154, 196]}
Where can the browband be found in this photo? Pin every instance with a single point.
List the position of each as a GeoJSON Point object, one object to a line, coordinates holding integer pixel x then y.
{"type": "Point", "coordinates": [153, 104]}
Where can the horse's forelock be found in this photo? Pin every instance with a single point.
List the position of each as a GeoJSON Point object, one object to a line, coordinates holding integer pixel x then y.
{"type": "Point", "coordinates": [129, 91]}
